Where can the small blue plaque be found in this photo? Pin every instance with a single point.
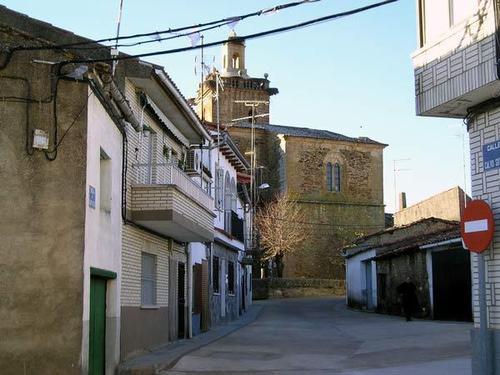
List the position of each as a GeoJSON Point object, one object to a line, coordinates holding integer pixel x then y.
{"type": "Point", "coordinates": [91, 196]}
{"type": "Point", "coordinates": [491, 155]}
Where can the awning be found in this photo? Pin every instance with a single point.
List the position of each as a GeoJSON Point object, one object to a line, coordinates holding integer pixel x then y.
{"type": "Point", "coordinates": [165, 121]}
{"type": "Point", "coordinates": [243, 178]}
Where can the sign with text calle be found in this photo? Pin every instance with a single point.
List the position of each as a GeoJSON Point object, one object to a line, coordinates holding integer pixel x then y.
{"type": "Point", "coordinates": [491, 155]}
{"type": "Point", "coordinates": [477, 226]}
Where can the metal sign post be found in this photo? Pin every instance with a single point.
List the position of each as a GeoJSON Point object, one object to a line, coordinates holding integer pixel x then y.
{"type": "Point", "coordinates": [486, 364]}
{"type": "Point", "coordinates": [477, 227]}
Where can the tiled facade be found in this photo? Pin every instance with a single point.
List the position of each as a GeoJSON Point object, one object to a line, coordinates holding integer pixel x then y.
{"type": "Point", "coordinates": [486, 186]}
{"type": "Point", "coordinates": [136, 241]}
{"type": "Point", "coordinates": [457, 75]}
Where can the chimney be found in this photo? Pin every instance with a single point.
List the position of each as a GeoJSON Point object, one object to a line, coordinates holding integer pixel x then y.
{"type": "Point", "coordinates": [402, 201]}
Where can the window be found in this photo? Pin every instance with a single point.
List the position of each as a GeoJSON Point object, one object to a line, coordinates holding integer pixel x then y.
{"type": "Point", "coordinates": [230, 277]}
{"type": "Point", "coordinates": [438, 16]}
{"type": "Point", "coordinates": [234, 195]}
{"type": "Point", "coordinates": [336, 177]}
{"type": "Point", "coordinates": [228, 192]}
{"type": "Point", "coordinates": [329, 177]}
{"type": "Point", "coordinates": [333, 177]}
{"type": "Point", "coordinates": [382, 279]}
{"type": "Point", "coordinates": [219, 188]}
{"type": "Point", "coordinates": [216, 275]}
{"type": "Point", "coordinates": [460, 10]}
{"type": "Point", "coordinates": [148, 279]}
{"type": "Point", "coordinates": [105, 182]}
{"type": "Point", "coordinates": [236, 61]}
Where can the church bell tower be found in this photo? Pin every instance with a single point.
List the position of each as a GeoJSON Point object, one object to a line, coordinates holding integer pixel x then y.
{"type": "Point", "coordinates": [235, 85]}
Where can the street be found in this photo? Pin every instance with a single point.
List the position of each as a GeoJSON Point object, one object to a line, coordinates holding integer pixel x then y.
{"type": "Point", "coordinates": [320, 336]}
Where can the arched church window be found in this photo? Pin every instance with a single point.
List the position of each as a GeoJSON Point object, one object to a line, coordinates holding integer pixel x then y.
{"type": "Point", "coordinates": [329, 176]}
{"type": "Point", "coordinates": [336, 177]}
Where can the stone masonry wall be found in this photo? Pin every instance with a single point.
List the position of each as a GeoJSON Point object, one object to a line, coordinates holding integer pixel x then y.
{"type": "Point", "coordinates": [333, 218]}
{"type": "Point", "coordinates": [396, 270]}
{"type": "Point", "coordinates": [291, 288]}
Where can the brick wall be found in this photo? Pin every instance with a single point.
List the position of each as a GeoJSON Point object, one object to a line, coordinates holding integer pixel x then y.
{"type": "Point", "coordinates": [136, 241]}
{"type": "Point", "coordinates": [235, 88]}
{"type": "Point", "coordinates": [168, 197]}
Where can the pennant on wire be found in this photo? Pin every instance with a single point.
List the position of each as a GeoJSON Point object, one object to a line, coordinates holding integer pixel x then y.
{"type": "Point", "coordinates": [156, 37]}
{"type": "Point", "coordinates": [233, 24]}
{"type": "Point", "coordinates": [270, 11]}
{"type": "Point", "coordinates": [194, 37]}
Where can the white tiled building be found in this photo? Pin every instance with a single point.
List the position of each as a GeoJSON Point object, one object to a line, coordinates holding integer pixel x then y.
{"type": "Point", "coordinates": [230, 277]}
{"type": "Point", "coordinates": [457, 76]}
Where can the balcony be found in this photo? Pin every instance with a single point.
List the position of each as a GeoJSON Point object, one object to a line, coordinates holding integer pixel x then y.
{"type": "Point", "coordinates": [458, 70]}
{"type": "Point", "coordinates": [237, 227]}
{"type": "Point", "coordinates": [167, 201]}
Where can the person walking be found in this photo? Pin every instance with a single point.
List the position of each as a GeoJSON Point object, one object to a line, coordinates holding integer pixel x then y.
{"type": "Point", "coordinates": [408, 294]}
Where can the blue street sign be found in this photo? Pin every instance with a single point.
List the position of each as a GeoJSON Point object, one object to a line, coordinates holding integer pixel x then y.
{"type": "Point", "coordinates": [491, 155]}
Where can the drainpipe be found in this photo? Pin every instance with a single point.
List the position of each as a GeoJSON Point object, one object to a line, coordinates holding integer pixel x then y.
{"type": "Point", "coordinates": [189, 292]}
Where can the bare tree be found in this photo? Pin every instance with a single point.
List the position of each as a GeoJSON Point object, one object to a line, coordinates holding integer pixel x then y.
{"type": "Point", "coordinates": [281, 228]}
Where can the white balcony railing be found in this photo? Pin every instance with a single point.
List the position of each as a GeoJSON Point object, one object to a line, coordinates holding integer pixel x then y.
{"type": "Point", "coordinates": [170, 174]}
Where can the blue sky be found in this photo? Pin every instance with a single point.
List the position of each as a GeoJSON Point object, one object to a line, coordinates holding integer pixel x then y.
{"type": "Point", "coordinates": [352, 76]}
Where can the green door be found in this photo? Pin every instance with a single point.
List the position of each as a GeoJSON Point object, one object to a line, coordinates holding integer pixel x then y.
{"type": "Point", "coordinates": [97, 326]}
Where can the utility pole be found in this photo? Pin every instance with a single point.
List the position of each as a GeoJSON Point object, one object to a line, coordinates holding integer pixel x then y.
{"type": "Point", "coordinates": [253, 162]}
{"type": "Point", "coordinates": [114, 51]}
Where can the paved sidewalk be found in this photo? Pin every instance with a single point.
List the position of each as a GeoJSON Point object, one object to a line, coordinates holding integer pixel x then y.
{"type": "Point", "coordinates": [167, 356]}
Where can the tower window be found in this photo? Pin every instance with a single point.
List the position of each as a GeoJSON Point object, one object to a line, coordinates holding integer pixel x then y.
{"type": "Point", "coordinates": [236, 61]}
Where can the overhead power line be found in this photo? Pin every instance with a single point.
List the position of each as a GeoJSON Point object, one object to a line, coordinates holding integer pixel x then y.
{"type": "Point", "coordinates": [241, 38]}
{"type": "Point", "coordinates": [214, 24]}
{"type": "Point", "coordinates": [133, 44]}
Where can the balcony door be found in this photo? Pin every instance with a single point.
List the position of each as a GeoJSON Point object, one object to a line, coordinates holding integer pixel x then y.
{"type": "Point", "coordinates": [223, 283]}
{"type": "Point", "coordinates": [147, 158]}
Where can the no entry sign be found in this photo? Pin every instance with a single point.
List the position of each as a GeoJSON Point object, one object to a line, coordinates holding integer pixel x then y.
{"type": "Point", "coordinates": [477, 226]}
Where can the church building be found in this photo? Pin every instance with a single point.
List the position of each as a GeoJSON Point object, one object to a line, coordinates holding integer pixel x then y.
{"type": "Point", "coordinates": [337, 180]}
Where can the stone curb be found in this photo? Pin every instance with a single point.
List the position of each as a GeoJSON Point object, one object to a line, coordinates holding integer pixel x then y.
{"type": "Point", "coordinates": [167, 356]}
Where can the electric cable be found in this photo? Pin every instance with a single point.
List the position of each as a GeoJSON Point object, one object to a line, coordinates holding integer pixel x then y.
{"type": "Point", "coordinates": [126, 45]}
{"type": "Point", "coordinates": [74, 120]}
{"type": "Point", "coordinates": [318, 223]}
{"type": "Point", "coordinates": [222, 21]}
{"type": "Point", "coordinates": [239, 38]}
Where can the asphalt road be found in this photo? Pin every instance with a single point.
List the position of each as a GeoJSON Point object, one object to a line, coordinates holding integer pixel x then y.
{"type": "Point", "coordinates": [320, 336]}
